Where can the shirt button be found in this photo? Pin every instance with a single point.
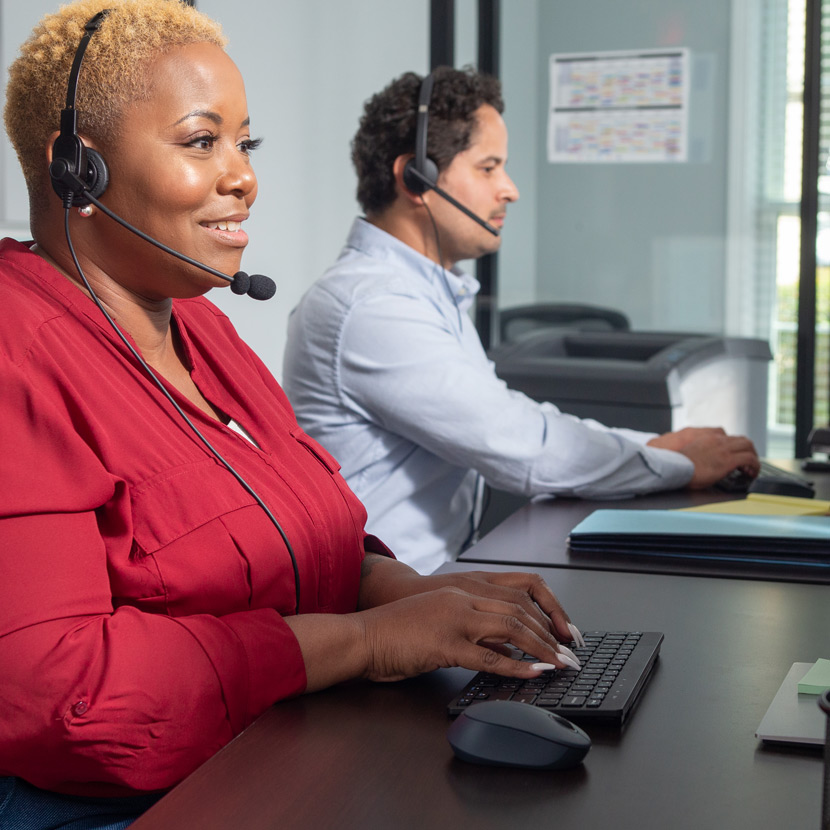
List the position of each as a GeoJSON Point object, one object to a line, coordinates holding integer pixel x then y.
{"type": "Point", "coordinates": [80, 708]}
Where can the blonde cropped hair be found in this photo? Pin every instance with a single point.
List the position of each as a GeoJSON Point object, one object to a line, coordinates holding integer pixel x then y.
{"type": "Point", "coordinates": [113, 72]}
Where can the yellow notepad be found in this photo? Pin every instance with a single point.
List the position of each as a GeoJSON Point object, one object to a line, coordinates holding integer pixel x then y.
{"type": "Point", "coordinates": [763, 504]}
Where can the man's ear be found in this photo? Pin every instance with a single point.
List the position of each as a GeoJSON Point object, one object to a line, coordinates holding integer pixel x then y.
{"type": "Point", "coordinates": [398, 167]}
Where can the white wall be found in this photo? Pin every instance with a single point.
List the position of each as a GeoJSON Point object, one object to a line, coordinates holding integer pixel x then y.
{"type": "Point", "coordinates": [308, 67]}
{"type": "Point", "coordinates": [16, 21]}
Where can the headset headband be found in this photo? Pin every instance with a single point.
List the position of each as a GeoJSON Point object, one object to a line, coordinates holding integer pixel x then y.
{"type": "Point", "coordinates": [74, 168]}
{"type": "Point", "coordinates": [421, 132]}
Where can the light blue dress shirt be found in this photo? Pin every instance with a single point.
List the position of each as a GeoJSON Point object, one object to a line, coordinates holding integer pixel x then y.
{"type": "Point", "coordinates": [385, 368]}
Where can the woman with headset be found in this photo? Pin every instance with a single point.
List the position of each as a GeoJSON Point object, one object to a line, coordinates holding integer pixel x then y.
{"type": "Point", "coordinates": [175, 554]}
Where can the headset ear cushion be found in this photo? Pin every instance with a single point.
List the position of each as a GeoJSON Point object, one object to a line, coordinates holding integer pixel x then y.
{"type": "Point", "coordinates": [430, 170]}
{"type": "Point", "coordinates": [413, 182]}
{"type": "Point", "coordinates": [98, 177]}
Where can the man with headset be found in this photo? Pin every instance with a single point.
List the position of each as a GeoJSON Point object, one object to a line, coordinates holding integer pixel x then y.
{"type": "Point", "coordinates": [383, 364]}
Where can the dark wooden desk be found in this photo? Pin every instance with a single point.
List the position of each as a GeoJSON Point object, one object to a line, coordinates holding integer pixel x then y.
{"type": "Point", "coordinates": [537, 533]}
{"type": "Point", "coordinates": [376, 756]}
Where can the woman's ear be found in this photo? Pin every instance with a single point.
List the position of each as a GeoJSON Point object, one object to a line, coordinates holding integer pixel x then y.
{"type": "Point", "coordinates": [50, 144]}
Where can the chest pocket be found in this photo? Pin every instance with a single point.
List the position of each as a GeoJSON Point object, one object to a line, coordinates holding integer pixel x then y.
{"type": "Point", "coordinates": [185, 557]}
{"type": "Point", "coordinates": [179, 501]}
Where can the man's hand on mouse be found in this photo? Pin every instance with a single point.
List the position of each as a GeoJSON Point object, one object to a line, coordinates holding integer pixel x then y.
{"type": "Point", "coordinates": [714, 453]}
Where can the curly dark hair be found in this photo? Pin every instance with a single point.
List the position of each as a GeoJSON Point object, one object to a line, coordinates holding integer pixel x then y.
{"type": "Point", "coordinates": [387, 128]}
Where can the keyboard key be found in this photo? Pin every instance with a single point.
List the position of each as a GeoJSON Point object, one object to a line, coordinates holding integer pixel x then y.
{"type": "Point", "coordinates": [501, 694]}
{"type": "Point", "coordinates": [573, 701]}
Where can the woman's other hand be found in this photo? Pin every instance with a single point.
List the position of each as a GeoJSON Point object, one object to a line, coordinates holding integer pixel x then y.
{"type": "Point", "coordinates": [385, 580]}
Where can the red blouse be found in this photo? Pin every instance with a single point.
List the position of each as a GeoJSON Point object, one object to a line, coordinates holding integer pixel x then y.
{"type": "Point", "coordinates": [141, 588]}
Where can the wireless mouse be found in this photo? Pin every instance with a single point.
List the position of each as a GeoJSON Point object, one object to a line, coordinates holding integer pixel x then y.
{"type": "Point", "coordinates": [512, 734]}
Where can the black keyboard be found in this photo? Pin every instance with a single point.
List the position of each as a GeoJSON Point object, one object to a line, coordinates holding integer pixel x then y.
{"type": "Point", "coordinates": [615, 668]}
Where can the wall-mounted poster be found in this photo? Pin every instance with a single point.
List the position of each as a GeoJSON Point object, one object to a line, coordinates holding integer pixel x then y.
{"type": "Point", "coordinates": [619, 106]}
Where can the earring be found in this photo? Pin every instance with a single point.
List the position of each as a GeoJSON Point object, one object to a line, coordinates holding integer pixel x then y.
{"type": "Point", "coordinates": [86, 211]}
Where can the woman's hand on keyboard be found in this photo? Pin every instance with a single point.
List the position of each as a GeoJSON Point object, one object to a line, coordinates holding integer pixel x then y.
{"type": "Point", "coordinates": [407, 624]}
{"type": "Point", "coordinates": [527, 589]}
{"type": "Point", "coordinates": [449, 626]}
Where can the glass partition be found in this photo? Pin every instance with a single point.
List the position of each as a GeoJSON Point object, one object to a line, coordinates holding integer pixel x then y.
{"type": "Point", "coordinates": [704, 241]}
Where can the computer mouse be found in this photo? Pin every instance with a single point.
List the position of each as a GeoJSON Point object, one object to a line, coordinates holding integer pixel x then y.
{"type": "Point", "coordinates": [512, 734]}
{"type": "Point", "coordinates": [782, 486]}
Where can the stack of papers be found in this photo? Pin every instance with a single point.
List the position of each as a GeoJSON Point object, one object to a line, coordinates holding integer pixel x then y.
{"type": "Point", "coordinates": [790, 540]}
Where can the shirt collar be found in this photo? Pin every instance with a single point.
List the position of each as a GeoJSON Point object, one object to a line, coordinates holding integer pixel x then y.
{"type": "Point", "coordinates": [371, 240]}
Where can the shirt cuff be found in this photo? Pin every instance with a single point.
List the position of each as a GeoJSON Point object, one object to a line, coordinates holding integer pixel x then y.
{"type": "Point", "coordinates": [674, 469]}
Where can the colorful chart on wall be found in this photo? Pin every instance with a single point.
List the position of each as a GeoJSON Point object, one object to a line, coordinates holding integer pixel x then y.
{"type": "Point", "coordinates": [627, 106]}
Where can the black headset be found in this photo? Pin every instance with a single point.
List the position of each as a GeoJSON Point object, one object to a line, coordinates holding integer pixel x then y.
{"type": "Point", "coordinates": [77, 170]}
{"type": "Point", "coordinates": [79, 176]}
{"type": "Point", "coordinates": [421, 172]}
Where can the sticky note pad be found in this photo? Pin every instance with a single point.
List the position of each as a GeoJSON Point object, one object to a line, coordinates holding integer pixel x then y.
{"type": "Point", "coordinates": [764, 504]}
{"type": "Point", "coordinates": [816, 680]}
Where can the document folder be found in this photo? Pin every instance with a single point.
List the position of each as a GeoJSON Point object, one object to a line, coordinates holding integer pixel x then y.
{"type": "Point", "coordinates": [790, 540]}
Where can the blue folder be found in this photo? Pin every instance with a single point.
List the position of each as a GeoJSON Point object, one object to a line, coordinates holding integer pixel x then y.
{"type": "Point", "coordinates": [789, 540]}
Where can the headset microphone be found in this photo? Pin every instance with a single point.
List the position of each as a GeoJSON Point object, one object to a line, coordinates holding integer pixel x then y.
{"type": "Point", "coordinates": [421, 172]}
{"type": "Point", "coordinates": [257, 286]}
{"type": "Point", "coordinates": [414, 173]}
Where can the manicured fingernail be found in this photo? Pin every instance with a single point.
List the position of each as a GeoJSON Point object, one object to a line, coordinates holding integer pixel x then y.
{"type": "Point", "coordinates": [543, 666]}
{"type": "Point", "coordinates": [577, 636]}
{"type": "Point", "coordinates": [569, 661]}
{"type": "Point", "coordinates": [566, 650]}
